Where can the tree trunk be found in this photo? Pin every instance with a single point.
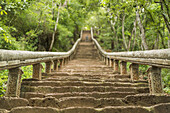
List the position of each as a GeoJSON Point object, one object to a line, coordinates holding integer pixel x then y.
{"type": "Point", "coordinates": [123, 32]}
{"type": "Point", "coordinates": [165, 18]}
{"type": "Point", "coordinates": [134, 39]}
{"type": "Point", "coordinates": [55, 29]}
{"type": "Point", "coordinates": [134, 30]}
{"type": "Point", "coordinates": [115, 33]}
{"type": "Point", "coordinates": [156, 45]}
{"type": "Point", "coordinates": [144, 44]}
{"type": "Point", "coordinates": [168, 41]}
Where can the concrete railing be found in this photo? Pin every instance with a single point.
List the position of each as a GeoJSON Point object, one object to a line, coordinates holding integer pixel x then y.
{"type": "Point", "coordinates": [157, 59]}
{"type": "Point", "coordinates": [13, 60]}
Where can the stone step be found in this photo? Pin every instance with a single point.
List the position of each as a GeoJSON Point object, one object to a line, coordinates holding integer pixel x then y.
{"type": "Point", "coordinates": [147, 99]}
{"type": "Point", "coordinates": [67, 78]}
{"type": "Point", "coordinates": [87, 68]}
{"type": "Point", "coordinates": [80, 74]}
{"type": "Point", "coordinates": [100, 71]}
{"type": "Point", "coordinates": [67, 102]}
{"type": "Point", "coordinates": [89, 47]}
{"type": "Point", "coordinates": [85, 51]}
{"type": "Point", "coordinates": [85, 74]}
{"type": "Point", "coordinates": [12, 102]}
{"type": "Point", "coordinates": [64, 89]}
{"type": "Point", "coordinates": [89, 71]}
{"type": "Point", "coordinates": [90, 79]}
{"type": "Point", "coordinates": [86, 57]}
{"type": "Point", "coordinates": [96, 95]}
{"type": "Point", "coordinates": [94, 79]}
{"type": "Point", "coordinates": [82, 83]}
{"type": "Point", "coordinates": [160, 108]}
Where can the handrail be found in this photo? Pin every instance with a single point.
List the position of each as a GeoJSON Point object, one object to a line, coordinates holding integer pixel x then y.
{"type": "Point", "coordinates": [14, 58]}
{"type": "Point", "coordinates": [157, 59]}
{"type": "Point", "coordinates": [160, 58]}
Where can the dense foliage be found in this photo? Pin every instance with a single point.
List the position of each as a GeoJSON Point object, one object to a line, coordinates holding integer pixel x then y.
{"type": "Point", "coordinates": [54, 25]}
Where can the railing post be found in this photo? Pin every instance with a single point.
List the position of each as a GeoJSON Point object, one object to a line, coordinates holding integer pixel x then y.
{"type": "Point", "coordinates": [64, 62]}
{"type": "Point", "coordinates": [134, 71]}
{"type": "Point", "coordinates": [61, 63]}
{"type": "Point", "coordinates": [116, 65]}
{"type": "Point", "coordinates": [14, 82]}
{"type": "Point", "coordinates": [37, 71]}
{"type": "Point", "coordinates": [55, 65]}
{"type": "Point", "coordinates": [156, 86]}
{"type": "Point", "coordinates": [107, 61]}
{"type": "Point", "coordinates": [123, 69]}
{"type": "Point", "coordinates": [48, 67]}
{"type": "Point", "coordinates": [103, 58]}
{"type": "Point", "coordinates": [112, 63]}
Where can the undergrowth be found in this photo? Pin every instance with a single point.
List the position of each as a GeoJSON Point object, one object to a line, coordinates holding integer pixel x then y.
{"type": "Point", "coordinates": [4, 77]}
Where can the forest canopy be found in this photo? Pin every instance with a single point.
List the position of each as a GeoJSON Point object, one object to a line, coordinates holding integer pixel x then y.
{"type": "Point", "coordinates": [55, 25]}
{"type": "Point", "coordinates": [49, 25]}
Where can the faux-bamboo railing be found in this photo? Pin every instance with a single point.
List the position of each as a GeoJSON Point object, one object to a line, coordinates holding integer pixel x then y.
{"type": "Point", "coordinates": [13, 60]}
{"type": "Point", "coordinates": [157, 59]}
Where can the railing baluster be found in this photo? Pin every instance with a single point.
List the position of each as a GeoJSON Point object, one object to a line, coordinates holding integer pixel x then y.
{"type": "Point", "coordinates": [116, 65]}
{"type": "Point", "coordinates": [123, 67]}
{"type": "Point", "coordinates": [61, 63]}
{"type": "Point", "coordinates": [134, 72]}
{"type": "Point", "coordinates": [37, 71]}
{"type": "Point", "coordinates": [48, 67]}
{"type": "Point", "coordinates": [56, 65]}
{"type": "Point", "coordinates": [155, 80]}
{"type": "Point", "coordinates": [14, 82]}
{"type": "Point", "coordinates": [110, 62]}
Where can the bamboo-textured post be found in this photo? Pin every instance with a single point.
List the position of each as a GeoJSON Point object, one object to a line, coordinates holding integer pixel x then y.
{"type": "Point", "coordinates": [116, 65]}
{"type": "Point", "coordinates": [134, 71]}
{"type": "Point", "coordinates": [110, 62]}
{"type": "Point", "coordinates": [48, 67]}
{"type": "Point", "coordinates": [123, 69]}
{"type": "Point", "coordinates": [113, 63]}
{"type": "Point", "coordinates": [55, 65]}
{"type": "Point", "coordinates": [107, 61]}
{"type": "Point", "coordinates": [14, 82]}
{"type": "Point", "coordinates": [37, 71]}
{"type": "Point", "coordinates": [64, 62]}
{"type": "Point", "coordinates": [61, 63]}
{"type": "Point", "coordinates": [155, 80]}
{"type": "Point", "coordinates": [103, 59]}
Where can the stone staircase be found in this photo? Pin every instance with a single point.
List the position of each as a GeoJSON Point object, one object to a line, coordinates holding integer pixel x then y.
{"type": "Point", "coordinates": [85, 85]}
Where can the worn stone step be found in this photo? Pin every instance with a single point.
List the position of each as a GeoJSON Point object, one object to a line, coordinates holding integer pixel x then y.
{"type": "Point", "coordinates": [147, 99]}
{"type": "Point", "coordinates": [96, 95]}
{"type": "Point", "coordinates": [75, 102]}
{"type": "Point", "coordinates": [74, 66]}
{"type": "Point", "coordinates": [67, 78]}
{"type": "Point", "coordinates": [87, 69]}
{"type": "Point", "coordinates": [160, 108]}
{"type": "Point", "coordinates": [12, 102]}
{"type": "Point", "coordinates": [90, 47]}
{"type": "Point", "coordinates": [90, 71]}
{"type": "Point", "coordinates": [79, 74]}
{"type": "Point", "coordinates": [63, 89]}
{"type": "Point", "coordinates": [86, 76]}
{"type": "Point", "coordinates": [86, 57]}
{"type": "Point", "coordinates": [82, 83]}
